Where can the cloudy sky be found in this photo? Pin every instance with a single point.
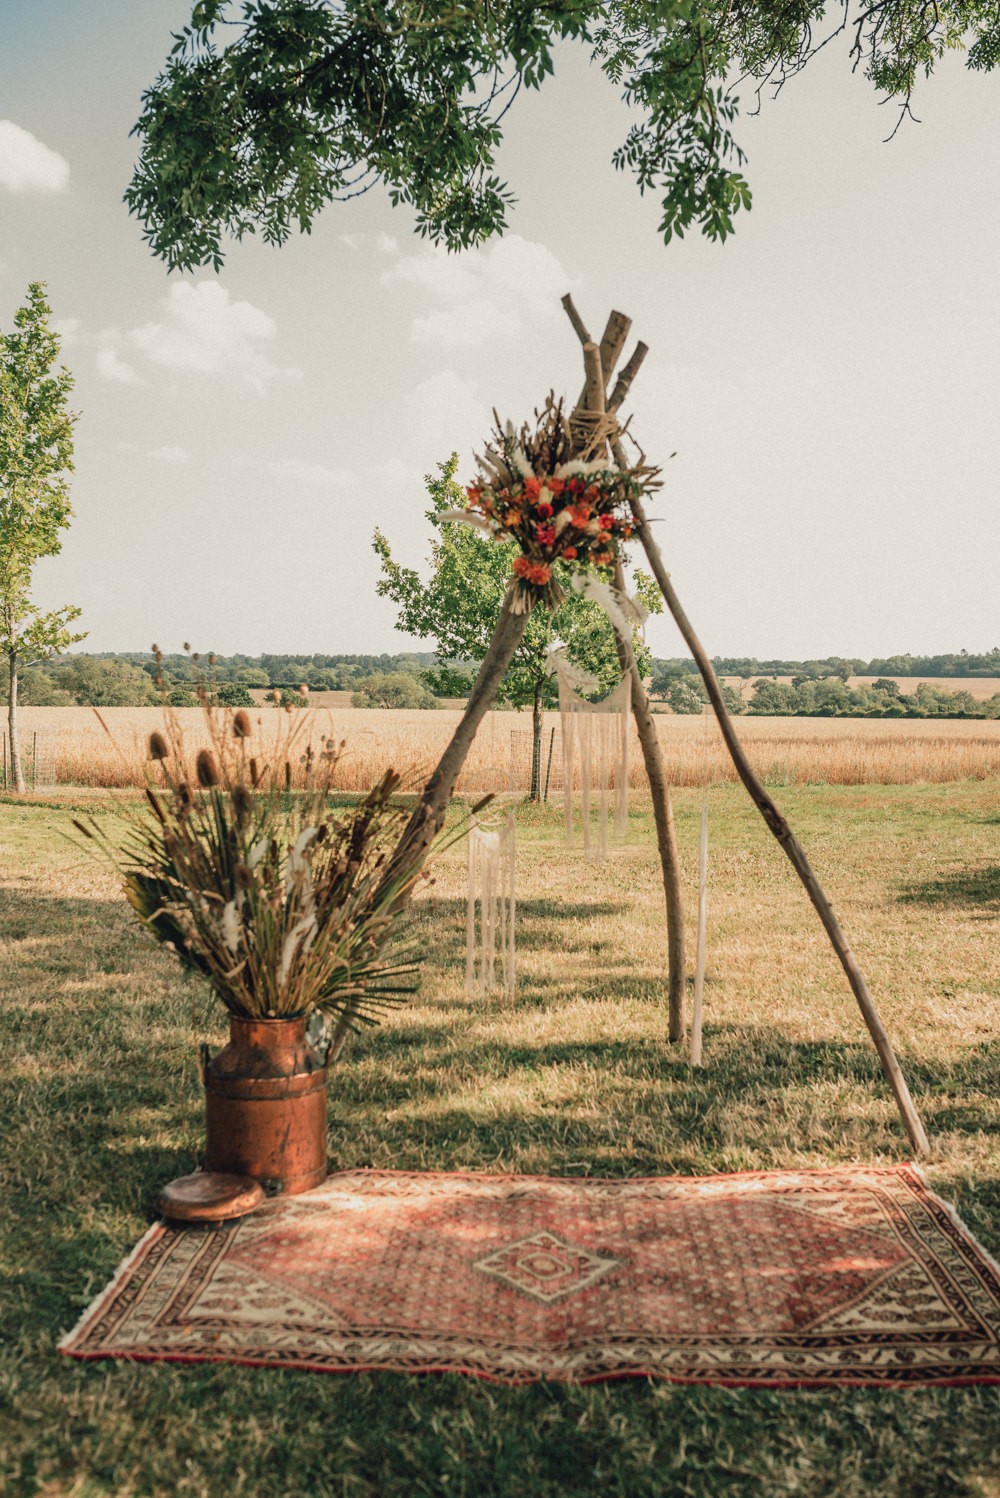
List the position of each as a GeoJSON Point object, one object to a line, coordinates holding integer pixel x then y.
{"type": "Point", "coordinates": [828, 380]}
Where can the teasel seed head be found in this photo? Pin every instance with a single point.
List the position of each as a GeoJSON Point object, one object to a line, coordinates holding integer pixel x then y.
{"type": "Point", "coordinates": [185, 797]}
{"type": "Point", "coordinates": [207, 769]}
{"type": "Point", "coordinates": [254, 773]}
{"type": "Point", "coordinates": [242, 803]}
{"type": "Point", "coordinates": [158, 748]}
{"type": "Point", "coordinates": [241, 725]}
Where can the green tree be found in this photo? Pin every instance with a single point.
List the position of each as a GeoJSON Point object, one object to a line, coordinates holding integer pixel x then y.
{"type": "Point", "coordinates": [94, 682]}
{"type": "Point", "coordinates": [36, 457]}
{"type": "Point", "coordinates": [458, 607]}
{"type": "Point", "coordinates": [686, 695]}
{"type": "Point", "coordinates": [258, 122]}
{"type": "Point", "coordinates": [392, 689]}
{"type": "Point", "coordinates": [233, 694]}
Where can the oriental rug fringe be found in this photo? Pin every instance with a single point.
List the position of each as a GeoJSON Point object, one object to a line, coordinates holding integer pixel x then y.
{"type": "Point", "coordinates": [847, 1276]}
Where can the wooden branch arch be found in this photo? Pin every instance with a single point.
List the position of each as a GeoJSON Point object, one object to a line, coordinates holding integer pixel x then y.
{"type": "Point", "coordinates": [429, 813]}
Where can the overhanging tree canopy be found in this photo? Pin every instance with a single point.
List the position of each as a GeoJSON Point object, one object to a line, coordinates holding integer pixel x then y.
{"type": "Point", "coordinates": [269, 110]}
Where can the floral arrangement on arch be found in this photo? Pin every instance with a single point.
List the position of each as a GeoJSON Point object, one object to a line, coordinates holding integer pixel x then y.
{"type": "Point", "coordinates": [558, 508]}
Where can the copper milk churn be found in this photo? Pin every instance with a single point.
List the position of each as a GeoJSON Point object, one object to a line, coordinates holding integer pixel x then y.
{"type": "Point", "coordinates": [265, 1102]}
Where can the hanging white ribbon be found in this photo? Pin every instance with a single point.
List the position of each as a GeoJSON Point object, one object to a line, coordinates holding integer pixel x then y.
{"type": "Point", "coordinates": [466, 517]}
{"type": "Point", "coordinates": [625, 613]}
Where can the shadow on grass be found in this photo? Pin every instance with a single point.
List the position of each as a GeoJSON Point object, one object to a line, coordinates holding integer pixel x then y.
{"type": "Point", "coordinates": [964, 887]}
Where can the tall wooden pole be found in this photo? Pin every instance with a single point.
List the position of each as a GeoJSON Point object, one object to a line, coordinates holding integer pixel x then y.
{"type": "Point", "coordinates": [788, 841]}
{"type": "Point", "coordinates": [432, 808]}
{"type": "Point", "coordinates": [594, 398]}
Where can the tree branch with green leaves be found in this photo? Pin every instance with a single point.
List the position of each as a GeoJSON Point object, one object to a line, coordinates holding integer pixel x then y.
{"type": "Point", "coordinates": [267, 111]}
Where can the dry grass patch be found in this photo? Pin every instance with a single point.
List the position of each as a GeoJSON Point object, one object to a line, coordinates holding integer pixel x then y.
{"type": "Point", "coordinates": [101, 1103]}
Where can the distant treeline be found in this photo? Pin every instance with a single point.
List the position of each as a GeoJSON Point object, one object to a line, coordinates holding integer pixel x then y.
{"type": "Point", "coordinates": [127, 679]}
{"type": "Point", "coordinates": [416, 679]}
{"type": "Point", "coordinates": [826, 696]}
{"type": "Point", "coordinates": [959, 664]}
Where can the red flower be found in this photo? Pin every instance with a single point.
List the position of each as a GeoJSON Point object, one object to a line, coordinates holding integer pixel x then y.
{"type": "Point", "coordinates": [543, 511]}
{"type": "Point", "coordinates": [569, 552]}
{"type": "Point", "coordinates": [607, 522]}
{"type": "Point", "coordinates": [539, 574]}
{"type": "Point", "coordinates": [555, 486]}
{"type": "Point", "coordinates": [545, 535]}
{"type": "Point", "coordinates": [522, 566]}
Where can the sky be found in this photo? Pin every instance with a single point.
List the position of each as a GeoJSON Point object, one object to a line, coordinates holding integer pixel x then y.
{"type": "Point", "coordinates": [822, 390]}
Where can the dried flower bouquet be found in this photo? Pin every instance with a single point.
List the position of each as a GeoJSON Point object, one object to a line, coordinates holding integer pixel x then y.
{"type": "Point", "coordinates": [277, 898]}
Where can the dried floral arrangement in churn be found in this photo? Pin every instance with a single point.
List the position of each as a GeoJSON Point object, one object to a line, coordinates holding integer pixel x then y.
{"type": "Point", "coordinates": [282, 902]}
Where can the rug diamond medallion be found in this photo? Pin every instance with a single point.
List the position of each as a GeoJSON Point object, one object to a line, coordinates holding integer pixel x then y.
{"type": "Point", "coordinates": [544, 1267]}
{"type": "Point", "coordinates": [846, 1276]}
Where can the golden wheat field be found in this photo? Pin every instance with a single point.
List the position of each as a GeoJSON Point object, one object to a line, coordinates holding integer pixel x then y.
{"type": "Point", "coordinates": [72, 744]}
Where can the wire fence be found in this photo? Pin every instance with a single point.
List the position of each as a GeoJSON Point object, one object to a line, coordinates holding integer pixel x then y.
{"type": "Point", "coordinates": [38, 762]}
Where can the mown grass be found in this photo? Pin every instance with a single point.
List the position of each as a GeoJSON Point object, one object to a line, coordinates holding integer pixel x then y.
{"type": "Point", "coordinates": [100, 1106]}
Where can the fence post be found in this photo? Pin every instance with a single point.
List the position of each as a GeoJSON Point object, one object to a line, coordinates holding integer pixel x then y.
{"type": "Point", "coordinates": [548, 767]}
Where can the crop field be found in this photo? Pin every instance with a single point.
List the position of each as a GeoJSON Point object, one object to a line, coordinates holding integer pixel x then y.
{"type": "Point", "coordinates": [101, 1104]}
{"type": "Point", "coordinates": [784, 751]}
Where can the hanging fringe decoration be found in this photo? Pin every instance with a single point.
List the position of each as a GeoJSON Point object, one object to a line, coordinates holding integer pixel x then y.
{"type": "Point", "coordinates": [597, 732]}
{"type": "Point", "coordinates": [491, 885]}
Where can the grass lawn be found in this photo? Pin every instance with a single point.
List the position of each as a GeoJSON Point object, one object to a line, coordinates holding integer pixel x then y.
{"type": "Point", "coordinates": [99, 1102]}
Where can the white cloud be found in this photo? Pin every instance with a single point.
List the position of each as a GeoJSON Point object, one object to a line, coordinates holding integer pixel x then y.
{"type": "Point", "coordinates": [385, 244]}
{"type": "Point", "coordinates": [26, 165]}
{"type": "Point", "coordinates": [171, 454]}
{"type": "Point", "coordinates": [202, 329]}
{"type": "Point", "coordinates": [296, 472]}
{"type": "Point", "coordinates": [110, 366]}
{"type": "Point", "coordinates": [67, 330]}
{"type": "Point", "coordinates": [445, 414]}
{"type": "Point", "coordinates": [496, 292]}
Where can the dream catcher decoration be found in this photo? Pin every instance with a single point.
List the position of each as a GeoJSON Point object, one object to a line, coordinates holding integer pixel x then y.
{"type": "Point", "coordinates": [489, 941]}
{"type": "Point", "coordinates": [595, 736]}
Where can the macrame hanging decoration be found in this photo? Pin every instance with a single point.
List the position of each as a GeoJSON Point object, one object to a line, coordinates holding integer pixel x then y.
{"type": "Point", "coordinates": [596, 734]}
{"type": "Point", "coordinates": [489, 943]}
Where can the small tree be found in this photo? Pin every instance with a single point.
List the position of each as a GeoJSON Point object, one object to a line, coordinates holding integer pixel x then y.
{"type": "Point", "coordinates": [36, 455]}
{"type": "Point", "coordinates": [459, 605]}
{"type": "Point", "coordinates": [396, 689]}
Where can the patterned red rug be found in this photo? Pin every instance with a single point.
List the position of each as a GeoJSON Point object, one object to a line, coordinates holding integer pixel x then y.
{"type": "Point", "coordinates": [848, 1276]}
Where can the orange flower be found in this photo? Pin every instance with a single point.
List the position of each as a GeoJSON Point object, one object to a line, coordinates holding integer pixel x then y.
{"type": "Point", "coordinates": [512, 517]}
{"type": "Point", "coordinates": [532, 487]}
{"type": "Point", "coordinates": [579, 515]}
{"type": "Point", "coordinates": [539, 573]}
{"type": "Point", "coordinates": [522, 566]}
{"type": "Point", "coordinates": [555, 486]}
{"type": "Point", "coordinates": [569, 552]}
